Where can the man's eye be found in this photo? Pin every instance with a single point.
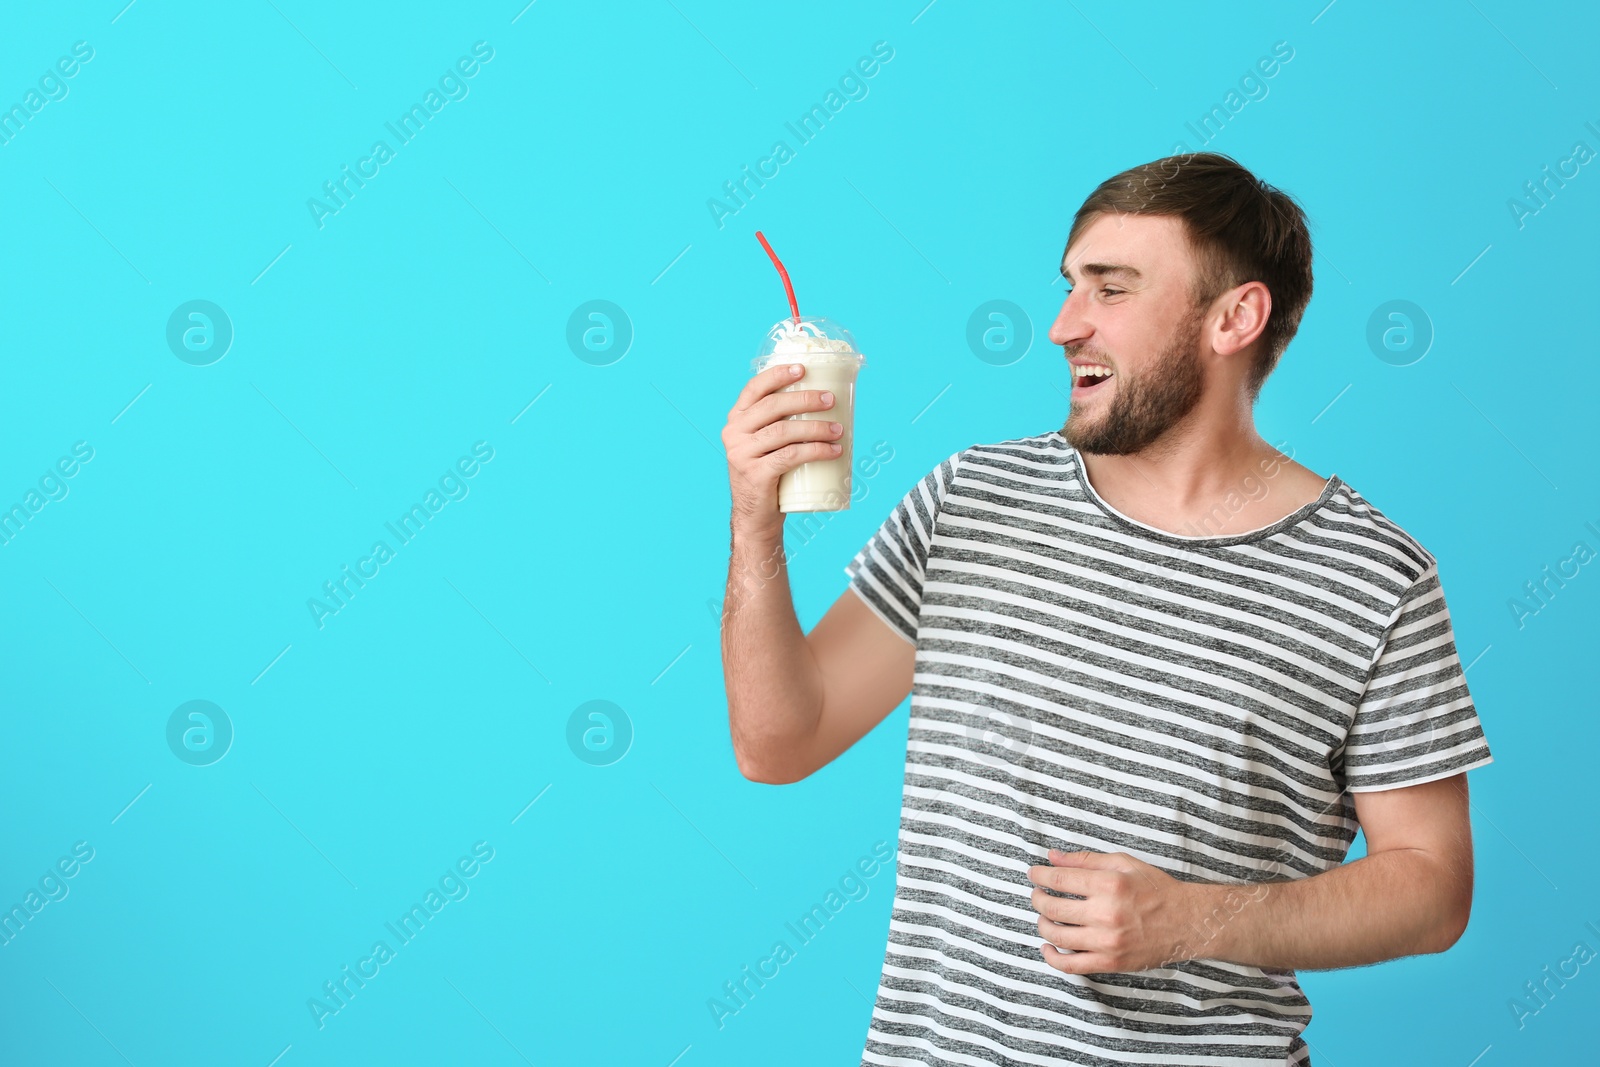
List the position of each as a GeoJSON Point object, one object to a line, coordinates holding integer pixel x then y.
{"type": "Point", "coordinates": [1107, 291]}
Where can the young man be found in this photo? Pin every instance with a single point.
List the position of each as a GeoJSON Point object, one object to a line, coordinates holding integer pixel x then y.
{"type": "Point", "coordinates": [1160, 673]}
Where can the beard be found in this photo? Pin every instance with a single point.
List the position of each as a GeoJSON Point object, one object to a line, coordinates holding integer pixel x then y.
{"type": "Point", "coordinates": [1145, 406]}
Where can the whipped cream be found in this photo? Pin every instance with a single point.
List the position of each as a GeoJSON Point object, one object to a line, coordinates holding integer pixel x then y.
{"type": "Point", "coordinates": [804, 339]}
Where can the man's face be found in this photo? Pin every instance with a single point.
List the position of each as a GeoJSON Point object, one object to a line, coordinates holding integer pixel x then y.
{"type": "Point", "coordinates": [1130, 309]}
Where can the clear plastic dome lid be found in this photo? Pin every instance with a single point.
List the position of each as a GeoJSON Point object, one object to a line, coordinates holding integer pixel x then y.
{"type": "Point", "coordinates": [811, 340]}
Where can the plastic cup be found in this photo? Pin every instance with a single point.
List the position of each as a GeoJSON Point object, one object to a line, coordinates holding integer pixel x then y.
{"type": "Point", "coordinates": [832, 363]}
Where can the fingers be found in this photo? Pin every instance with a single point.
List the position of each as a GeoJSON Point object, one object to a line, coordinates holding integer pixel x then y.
{"type": "Point", "coordinates": [764, 420]}
{"type": "Point", "coordinates": [1109, 861]}
{"type": "Point", "coordinates": [777, 443]}
{"type": "Point", "coordinates": [1062, 935]}
{"type": "Point", "coordinates": [774, 427]}
{"type": "Point", "coordinates": [1060, 909]}
{"type": "Point", "coordinates": [779, 401]}
{"type": "Point", "coordinates": [1079, 962]}
{"type": "Point", "coordinates": [1080, 880]}
{"type": "Point", "coordinates": [1071, 937]}
{"type": "Point", "coordinates": [773, 378]}
{"type": "Point", "coordinates": [811, 403]}
{"type": "Point", "coordinates": [776, 435]}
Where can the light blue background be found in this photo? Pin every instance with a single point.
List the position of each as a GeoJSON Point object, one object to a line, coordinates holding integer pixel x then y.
{"type": "Point", "coordinates": [588, 559]}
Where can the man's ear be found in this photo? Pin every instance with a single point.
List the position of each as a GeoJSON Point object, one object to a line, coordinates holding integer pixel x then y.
{"type": "Point", "coordinates": [1243, 312]}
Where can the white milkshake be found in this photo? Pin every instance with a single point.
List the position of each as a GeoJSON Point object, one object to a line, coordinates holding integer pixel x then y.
{"type": "Point", "coordinates": [832, 362]}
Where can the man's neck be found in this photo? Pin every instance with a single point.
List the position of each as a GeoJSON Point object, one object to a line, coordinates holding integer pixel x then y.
{"type": "Point", "coordinates": [1186, 474]}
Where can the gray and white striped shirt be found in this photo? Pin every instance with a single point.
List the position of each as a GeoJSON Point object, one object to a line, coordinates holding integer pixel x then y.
{"type": "Point", "coordinates": [1085, 681]}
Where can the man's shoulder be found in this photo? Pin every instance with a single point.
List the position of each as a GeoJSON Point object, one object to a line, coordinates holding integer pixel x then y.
{"type": "Point", "coordinates": [1048, 446]}
{"type": "Point", "coordinates": [1041, 448]}
{"type": "Point", "coordinates": [1384, 541]}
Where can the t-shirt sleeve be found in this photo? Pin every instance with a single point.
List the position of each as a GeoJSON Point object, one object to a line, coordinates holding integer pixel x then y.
{"type": "Point", "coordinates": [887, 573]}
{"type": "Point", "coordinates": [1415, 721]}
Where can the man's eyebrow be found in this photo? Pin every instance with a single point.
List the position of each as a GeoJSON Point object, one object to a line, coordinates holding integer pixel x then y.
{"type": "Point", "coordinates": [1102, 269]}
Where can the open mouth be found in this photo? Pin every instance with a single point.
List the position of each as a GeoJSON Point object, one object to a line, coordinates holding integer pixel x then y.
{"type": "Point", "coordinates": [1088, 381]}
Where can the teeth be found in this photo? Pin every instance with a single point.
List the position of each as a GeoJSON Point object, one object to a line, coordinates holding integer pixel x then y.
{"type": "Point", "coordinates": [1079, 373]}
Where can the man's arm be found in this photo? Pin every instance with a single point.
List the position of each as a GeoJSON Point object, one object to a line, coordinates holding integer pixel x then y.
{"type": "Point", "coordinates": [795, 700]}
{"type": "Point", "coordinates": [1411, 894]}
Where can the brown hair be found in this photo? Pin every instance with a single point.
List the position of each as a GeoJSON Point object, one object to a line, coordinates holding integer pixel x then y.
{"type": "Point", "coordinates": [1240, 229]}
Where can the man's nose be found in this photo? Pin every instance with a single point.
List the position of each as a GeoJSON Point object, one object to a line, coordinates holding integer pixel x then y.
{"type": "Point", "coordinates": [1070, 327]}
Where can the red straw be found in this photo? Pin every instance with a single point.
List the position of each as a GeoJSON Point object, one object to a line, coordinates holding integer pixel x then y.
{"type": "Point", "coordinates": [788, 287]}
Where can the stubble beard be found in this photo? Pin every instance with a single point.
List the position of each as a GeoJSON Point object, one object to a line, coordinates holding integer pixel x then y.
{"type": "Point", "coordinates": [1145, 406]}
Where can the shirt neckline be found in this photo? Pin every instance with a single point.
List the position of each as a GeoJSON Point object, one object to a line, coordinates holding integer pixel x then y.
{"type": "Point", "coordinates": [1294, 518]}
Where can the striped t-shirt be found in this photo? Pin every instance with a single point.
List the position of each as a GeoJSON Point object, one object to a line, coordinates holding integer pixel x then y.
{"type": "Point", "coordinates": [1088, 682]}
